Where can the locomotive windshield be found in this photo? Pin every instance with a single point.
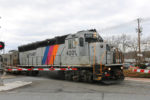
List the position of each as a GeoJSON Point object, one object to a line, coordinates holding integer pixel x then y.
{"type": "Point", "coordinates": [93, 38]}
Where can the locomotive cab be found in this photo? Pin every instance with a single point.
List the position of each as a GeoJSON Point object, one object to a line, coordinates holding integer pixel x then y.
{"type": "Point", "coordinates": [88, 49]}
{"type": "Point", "coordinates": [103, 59]}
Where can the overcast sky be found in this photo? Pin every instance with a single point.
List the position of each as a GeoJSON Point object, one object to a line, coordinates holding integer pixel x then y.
{"type": "Point", "coordinates": [25, 21]}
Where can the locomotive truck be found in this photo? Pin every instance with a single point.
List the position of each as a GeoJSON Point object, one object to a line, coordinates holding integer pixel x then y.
{"type": "Point", "coordinates": [85, 51]}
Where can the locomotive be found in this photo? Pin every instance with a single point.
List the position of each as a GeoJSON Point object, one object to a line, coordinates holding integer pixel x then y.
{"type": "Point", "coordinates": [85, 50]}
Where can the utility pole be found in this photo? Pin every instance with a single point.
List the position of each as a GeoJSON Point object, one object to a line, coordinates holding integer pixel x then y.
{"type": "Point", "coordinates": [139, 31]}
{"type": "Point", "coordinates": [139, 35]}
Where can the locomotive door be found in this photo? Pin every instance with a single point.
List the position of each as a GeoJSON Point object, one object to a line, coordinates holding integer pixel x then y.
{"type": "Point", "coordinates": [109, 55]}
{"type": "Point", "coordinates": [83, 52]}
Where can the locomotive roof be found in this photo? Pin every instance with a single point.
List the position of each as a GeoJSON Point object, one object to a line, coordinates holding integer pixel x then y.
{"type": "Point", "coordinates": [53, 41]}
{"type": "Point", "coordinates": [32, 46]}
{"type": "Point", "coordinates": [81, 33]}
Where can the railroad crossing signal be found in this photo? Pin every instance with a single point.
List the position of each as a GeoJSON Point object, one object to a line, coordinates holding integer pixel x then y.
{"type": "Point", "coordinates": [2, 45]}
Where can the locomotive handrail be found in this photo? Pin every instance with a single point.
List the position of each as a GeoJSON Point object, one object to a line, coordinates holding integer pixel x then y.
{"type": "Point", "coordinates": [94, 58]}
{"type": "Point", "coordinates": [101, 61]}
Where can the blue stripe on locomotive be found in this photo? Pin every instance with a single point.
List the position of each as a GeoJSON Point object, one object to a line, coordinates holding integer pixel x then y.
{"type": "Point", "coordinates": [45, 55]}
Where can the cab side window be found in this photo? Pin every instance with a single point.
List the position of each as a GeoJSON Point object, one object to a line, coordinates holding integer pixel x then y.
{"type": "Point", "coordinates": [69, 44]}
{"type": "Point", "coordinates": [72, 43]}
{"type": "Point", "coordinates": [81, 41]}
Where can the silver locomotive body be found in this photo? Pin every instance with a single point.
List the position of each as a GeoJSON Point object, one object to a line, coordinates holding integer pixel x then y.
{"type": "Point", "coordinates": [85, 50]}
{"type": "Point", "coordinates": [76, 50]}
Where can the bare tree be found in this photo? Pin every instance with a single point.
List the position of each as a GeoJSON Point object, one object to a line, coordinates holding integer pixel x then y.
{"type": "Point", "coordinates": [125, 41]}
{"type": "Point", "coordinates": [122, 42]}
{"type": "Point", "coordinates": [114, 41]}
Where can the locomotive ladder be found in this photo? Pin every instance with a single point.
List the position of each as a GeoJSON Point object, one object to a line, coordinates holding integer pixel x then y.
{"type": "Point", "coordinates": [99, 75]}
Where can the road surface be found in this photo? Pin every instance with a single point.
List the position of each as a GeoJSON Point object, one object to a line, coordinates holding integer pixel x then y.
{"type": "Point", "coordinates": [44, 88]}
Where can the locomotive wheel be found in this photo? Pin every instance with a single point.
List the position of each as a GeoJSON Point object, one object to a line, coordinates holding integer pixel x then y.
{"type": "Point", "coordinates": [34, 73]}
{"type": "Point", "coordinates": [62, 75]}
{"type": "Point", "coordinates": [119, 74]}
{"type": "Point", "coordinates": [28, 73]}
{"type": "Point", "coordinates": [90, 77]}
{"type": "Point", "coordinates": [85, 79]}
{"type": "Point", "coordinates": [118, 78]}
{"type": "Point", "coordinates": [68, 75]}
{"type": "Point", "coordinates": [17, 73]}
{"type": "Point", "coordinates": [84, 75]}
{"type": "Point", "coordinates": [77, 76]}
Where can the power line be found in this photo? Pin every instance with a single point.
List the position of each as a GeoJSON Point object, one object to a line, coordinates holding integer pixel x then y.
{"type": "Point", "coordinates": [124, 24]}
{"type": "Point", "coordinates": [117, 26]}
{"type": "Point", "coordinates": [146, 19]}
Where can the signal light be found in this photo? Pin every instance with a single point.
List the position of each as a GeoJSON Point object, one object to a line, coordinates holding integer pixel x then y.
{"type": "Point", "coordinates": [2, 45]}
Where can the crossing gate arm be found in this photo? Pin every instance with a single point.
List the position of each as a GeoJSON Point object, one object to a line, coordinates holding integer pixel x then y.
{"type": "Point", "coordinates": [142, 70]}
{"type": "Point", "coordinates": [39, 69]}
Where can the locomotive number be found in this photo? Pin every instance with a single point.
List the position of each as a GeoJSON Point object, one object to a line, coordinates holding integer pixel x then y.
{"type": "Point", "coordinates": [72, 53]}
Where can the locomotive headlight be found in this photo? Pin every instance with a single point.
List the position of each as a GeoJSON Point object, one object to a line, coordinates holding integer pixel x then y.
{"type": "Point", "coordinates": [109, 68]}
{"type": "Point", "coordinates": [121, 67]}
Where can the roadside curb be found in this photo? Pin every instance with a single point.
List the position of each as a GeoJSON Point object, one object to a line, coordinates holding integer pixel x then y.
{"type": "Point", "coordinates": [8, 77]}
{"type": "Point", "coordinates": [138, 79]}
{"type": "Point", "coordinates": [13, 85]}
